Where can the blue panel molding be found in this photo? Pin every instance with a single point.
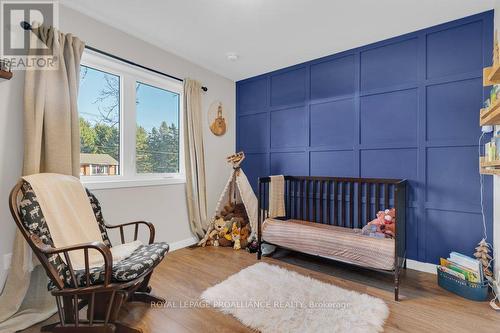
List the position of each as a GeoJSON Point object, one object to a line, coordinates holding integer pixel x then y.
{"type": "Point", "coordinates": [405, 107]}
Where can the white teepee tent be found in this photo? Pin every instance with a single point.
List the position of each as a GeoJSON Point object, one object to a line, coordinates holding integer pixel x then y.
{"type": "Point", "coordinates": [239, 190]}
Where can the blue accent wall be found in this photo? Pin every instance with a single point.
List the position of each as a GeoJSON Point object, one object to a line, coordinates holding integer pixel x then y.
{"type": "Point", "coordinates": [406, 107]}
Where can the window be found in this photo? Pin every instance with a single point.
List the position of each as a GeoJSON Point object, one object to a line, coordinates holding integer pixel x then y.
{"type": "Point", "coordinates": [130, 125]}
{"type": "Point", "coordinates": [157, 135]}
{"type": "Point", "coordinates": [99, 108]}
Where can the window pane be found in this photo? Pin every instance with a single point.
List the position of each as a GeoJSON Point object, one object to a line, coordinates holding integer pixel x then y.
{"type": "Point", "coordinates": [99, 108]}
{"type": "Point", "coordinates": [157, 136]}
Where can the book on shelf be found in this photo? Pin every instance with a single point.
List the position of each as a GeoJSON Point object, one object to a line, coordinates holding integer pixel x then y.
{"type": "Point", "coordinates": [469, 262]}
{"type": "Point", "coordinates": [467, 273]}
{"type": "Point", "coordinates": [451, 272]}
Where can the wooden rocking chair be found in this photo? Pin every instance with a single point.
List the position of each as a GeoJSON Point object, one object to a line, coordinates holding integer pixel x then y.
{"type": "Point", "coordinates": [102, 289]}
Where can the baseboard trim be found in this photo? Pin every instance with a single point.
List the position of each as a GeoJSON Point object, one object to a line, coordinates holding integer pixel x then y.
{"type": "Point", "coordinates": [421, 266]}
{"type": "Point", "coordinates": [183, 243]}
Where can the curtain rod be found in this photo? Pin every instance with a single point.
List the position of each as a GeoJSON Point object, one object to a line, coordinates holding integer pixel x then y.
{"type": "Point", "coordinates": [26, 26]}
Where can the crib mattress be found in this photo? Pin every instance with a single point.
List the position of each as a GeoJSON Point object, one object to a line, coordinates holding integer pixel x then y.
{"type": "Point", "coordinates": [342, 244]}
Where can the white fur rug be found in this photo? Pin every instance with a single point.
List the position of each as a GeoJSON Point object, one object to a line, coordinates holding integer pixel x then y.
{"type": "Point", "coordinates": [269, 298]}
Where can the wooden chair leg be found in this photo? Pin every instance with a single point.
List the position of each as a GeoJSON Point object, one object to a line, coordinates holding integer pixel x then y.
{"type": "Point", "coordinates": [122, 328]}
{"type": "Point", "coordinates": [143, 293]}
{"type": "Point", "coordinates": [48, 328]}
{"type": "Point", "coordinates": [145, 287]}
{"type": "Point", "coordinates": [143, 297]}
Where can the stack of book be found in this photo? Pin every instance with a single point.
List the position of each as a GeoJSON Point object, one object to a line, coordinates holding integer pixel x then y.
{"type": "Point", "coordinates": [463, 267]}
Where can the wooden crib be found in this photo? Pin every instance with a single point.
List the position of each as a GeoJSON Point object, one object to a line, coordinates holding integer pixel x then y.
{"type": "Point", "coordinates": [324, 216]}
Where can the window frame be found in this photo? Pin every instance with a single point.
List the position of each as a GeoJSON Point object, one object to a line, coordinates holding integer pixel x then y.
{"type": "Point", "coordinates": [129, 76]}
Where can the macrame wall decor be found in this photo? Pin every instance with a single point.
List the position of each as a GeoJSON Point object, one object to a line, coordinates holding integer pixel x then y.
{"type": "Point", "coordinates": [216, 120]}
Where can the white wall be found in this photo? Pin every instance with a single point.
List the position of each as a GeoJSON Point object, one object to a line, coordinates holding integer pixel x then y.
{"type": "Point", "coordinates": [165, 206]}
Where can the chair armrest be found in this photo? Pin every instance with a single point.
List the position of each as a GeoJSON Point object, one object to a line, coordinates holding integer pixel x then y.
{"type": "Point", "coordinates": [136, 231]}
{"type": "Point", "coordinates": [103, 249]}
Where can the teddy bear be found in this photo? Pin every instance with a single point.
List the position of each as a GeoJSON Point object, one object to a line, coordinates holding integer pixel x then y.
{"type": "Point", "coordinates": [244, 234]}
{"type": "Point", "coordinates": [227, 239]}
{"type": "Point", "coordinates": [214, 233]}
{"type": "Point", "coordinates": [235, 233]}
{"type": "Point", "coordinates": [384, 226]}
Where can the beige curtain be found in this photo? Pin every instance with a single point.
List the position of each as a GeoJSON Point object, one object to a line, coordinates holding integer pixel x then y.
{"type": "Point", "coordinates": [194, 158]}
{"type": "Point", "coordinates": [51, 144]}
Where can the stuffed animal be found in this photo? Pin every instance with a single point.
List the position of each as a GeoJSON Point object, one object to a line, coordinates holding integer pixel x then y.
{"type": "Point", "coordinates": [252, 247]}
{"type": "Point", "coordinates": [227, 239]}
{"type": "Point", "coordinates": [236, 237]}
{"type": "Point", "coordinates": [240, 222]}
{"type": "Point", "coordinates": [232, 210]}
{"type": "Point", "coordinates": [227, 211]}
{"type": "Point", "coordinates": [244, 234]}
{"type": "Point", "coordinates": [205, 240]}
{"type": "Point", "coordinates": [214, 232]}
{"type": "Point", "coordinates": [384, 226]}
{"type": "Point", "coordinates": [224, 242]}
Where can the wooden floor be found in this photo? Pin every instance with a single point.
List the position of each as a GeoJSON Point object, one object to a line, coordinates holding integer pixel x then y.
{"type": "Point", "coordinates": [186, 273]}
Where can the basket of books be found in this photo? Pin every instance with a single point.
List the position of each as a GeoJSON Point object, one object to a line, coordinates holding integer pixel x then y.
{"type": "Point", "coordinates": [463, 276]}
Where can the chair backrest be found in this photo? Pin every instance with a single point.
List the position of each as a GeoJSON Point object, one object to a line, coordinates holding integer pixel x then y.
{"type": "Point", "coordinates": [31, 222]}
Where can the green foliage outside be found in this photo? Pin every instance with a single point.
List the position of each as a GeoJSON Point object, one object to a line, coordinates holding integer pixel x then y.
{"type": "Point", "coordinates": [157, 151]}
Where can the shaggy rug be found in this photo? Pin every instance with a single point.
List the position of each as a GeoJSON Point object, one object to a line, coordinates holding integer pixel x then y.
{"type": "Point", "coordinates": [269, 298]}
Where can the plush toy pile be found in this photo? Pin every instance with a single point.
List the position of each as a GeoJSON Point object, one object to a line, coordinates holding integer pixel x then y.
{"type": "Point", "coordinates": [384, 226]}
{"type": "Point", "coordinates": [231, 228]}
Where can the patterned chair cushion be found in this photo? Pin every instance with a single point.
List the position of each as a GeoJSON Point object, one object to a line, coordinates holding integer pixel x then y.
{"type": "Point", "coordinates": [96, 207]}
{"type": "Point", "coordinates": [141, 260]}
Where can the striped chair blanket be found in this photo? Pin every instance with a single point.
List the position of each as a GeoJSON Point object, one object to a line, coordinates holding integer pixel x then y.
{"type": "Point", "coordinates": [332, 242]}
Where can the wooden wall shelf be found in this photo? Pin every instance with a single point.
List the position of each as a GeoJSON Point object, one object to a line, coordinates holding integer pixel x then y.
{"type": "Point", "coordinates": [485, 164]}
{"type": "Point", "coordinates": [491, 75]}
{"type": "Point", "coordinates": [484, 171]}
{"type": "Point", "coordinates": [5, 75]}
{"type": "Point", "coordinates": [490, 115]}
{"type": "Point", "coordinates": [489, 168]}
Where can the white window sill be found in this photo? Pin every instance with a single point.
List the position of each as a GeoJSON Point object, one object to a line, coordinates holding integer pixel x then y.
{"type": "Point", "coordinates": [97, 184]}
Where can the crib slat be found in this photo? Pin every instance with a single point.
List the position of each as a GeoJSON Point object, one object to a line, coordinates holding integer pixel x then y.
{"type": "Point", "coordinates": [266, 207]}
{"type": "Point", "coordinates": [314, 200]}
{"type": "Point", "coordinates": [351, 204]}
{"type": "Point", "coordinates": [386, 196]}
{"type": "Point", "coordinates": [307, 201]}
{"type": "Point", "coordinates": [263, 202]}
{"type": "Point", "coordinates": [321, 185]}
{"type": "Point", "coordinates": [360, 193]}
{"type": "Point", "coordinates": [343, 204]}
{"type": "Point", "coordinates": [335, 203]}
{"type": "Point", "coordinates": [301, 200]}
{"type": "Point", "coordinates": [289, 207]}
{"type": "Point", "coordinates": [328, 203]}
{"type": "Point", "coordinates": [367, 202]}
{"type": "Point", "coordinates": [377, 197]}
